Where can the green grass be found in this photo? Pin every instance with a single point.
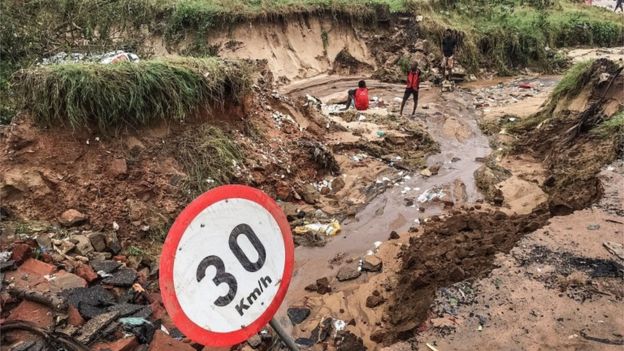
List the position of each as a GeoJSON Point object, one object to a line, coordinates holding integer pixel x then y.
{"type": "Point", "coordinates": [573, 81]}
{"type": "Point", "coordinates": [209, 157]}
{"type": "Point", "coordinates": [512, 34]}
{"type": "Point", "coordinates": [612, 127]}
{"type": "Point", "coordinates": [109, 97]}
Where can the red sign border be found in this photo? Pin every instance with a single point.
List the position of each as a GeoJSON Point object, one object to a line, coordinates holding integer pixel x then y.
{"type": "Point", "coordinates": [167, 290]}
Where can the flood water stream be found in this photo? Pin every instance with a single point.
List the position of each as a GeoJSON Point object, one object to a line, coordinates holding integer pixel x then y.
{"type": "Point", "coordinates": [451, 120]}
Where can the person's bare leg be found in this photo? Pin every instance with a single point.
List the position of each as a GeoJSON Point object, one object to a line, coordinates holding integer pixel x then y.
{"type": "Point", "coordinates": [415, 102]}
{"type": "Point", "coordinates": [403, 104]}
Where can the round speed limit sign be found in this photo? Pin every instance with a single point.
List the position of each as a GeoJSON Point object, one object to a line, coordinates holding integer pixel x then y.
{"type": "Point", "coordinates": [226, 265]}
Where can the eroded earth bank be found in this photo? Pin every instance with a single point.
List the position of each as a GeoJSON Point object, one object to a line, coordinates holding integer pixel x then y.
{"type": "Point", "coordinates": [491, 219]}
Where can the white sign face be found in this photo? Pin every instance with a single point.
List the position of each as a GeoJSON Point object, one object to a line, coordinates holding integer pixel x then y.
{"type": "Point", "coordinates": [228, 265]}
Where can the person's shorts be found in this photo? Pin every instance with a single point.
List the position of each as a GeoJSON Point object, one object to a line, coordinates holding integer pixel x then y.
{"type": "Point", "coordinates": [448, 60]}
{"type": "Point", "coordinates": [408, 92]}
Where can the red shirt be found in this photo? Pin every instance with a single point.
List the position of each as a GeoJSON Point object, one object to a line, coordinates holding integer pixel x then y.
{"type": "Point", "coordinates": [413, 80]}
{"type": "Point", "coordinates": [361, 99]}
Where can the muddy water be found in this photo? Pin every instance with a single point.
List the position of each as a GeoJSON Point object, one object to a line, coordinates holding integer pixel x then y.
{"type": "Point", "coordinates": [451, 121]}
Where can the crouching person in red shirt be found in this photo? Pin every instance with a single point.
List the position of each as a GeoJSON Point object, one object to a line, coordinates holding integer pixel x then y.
{"type": "Point", "coordinates": [359, 96]}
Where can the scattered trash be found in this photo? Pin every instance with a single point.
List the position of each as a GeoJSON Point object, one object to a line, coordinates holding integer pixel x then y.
{"type": "Point", "coordinates": [329, 229]}
{"type": "Point", "coordinates": [593, 226]}
{"type": "Point", "coordinates": [430, 195]}
{"type": "Point", "coordinates": [381, 133]}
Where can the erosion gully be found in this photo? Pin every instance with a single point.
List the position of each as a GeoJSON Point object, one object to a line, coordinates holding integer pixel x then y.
{"type": "Point", "coordinates": [451, 119]}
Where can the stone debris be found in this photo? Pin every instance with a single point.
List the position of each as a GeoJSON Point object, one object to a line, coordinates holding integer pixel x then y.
{"type": "Point", "coordinates": [348, 272]}
{"type": "Point", "coordinates": [72, 217]}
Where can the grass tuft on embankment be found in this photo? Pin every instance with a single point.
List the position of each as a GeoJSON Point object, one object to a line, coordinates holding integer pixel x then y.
{"type": "Point", "coordinates": [114, 96]}
{"type": "Point", "coordinates": [209, 157]}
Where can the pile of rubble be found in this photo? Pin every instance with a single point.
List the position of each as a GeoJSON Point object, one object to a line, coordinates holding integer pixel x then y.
{"type": "Point", "coordinates": [79, 293]}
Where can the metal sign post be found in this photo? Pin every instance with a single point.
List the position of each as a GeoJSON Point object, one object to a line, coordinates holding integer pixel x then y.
{"type": "Point", "coordinates": [290, 343]}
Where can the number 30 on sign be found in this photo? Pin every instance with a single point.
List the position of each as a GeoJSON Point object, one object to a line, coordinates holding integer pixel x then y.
{"type": "Point", "coordinates": [226, 265]}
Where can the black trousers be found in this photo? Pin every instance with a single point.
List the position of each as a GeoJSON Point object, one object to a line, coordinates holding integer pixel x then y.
{"type": "Point", "coordinates": [408, 92]}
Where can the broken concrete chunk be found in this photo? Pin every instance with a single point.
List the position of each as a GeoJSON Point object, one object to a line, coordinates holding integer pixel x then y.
{"type": "Point", "coordinates": [90, 330]}
{"type": "Point", "coordinates": [106, 266]}
{"type": "Point", "coordinates": [310, 194]}
{"type": "Point", "coordinates": [72, 217]}
{"type": "Point", "coordinates": [112, 243]}
{"type": "Point", "coordinates": [83, 244]}
{"type": "Point", "coordinates": [123, 277]}
{"type": "Point", "coordinates": [298, 314]}
{"type": "Point", "coordinates": [98, 241]}
{"type": "Point", "coordinates": [371, 263]}
{"type": "Point", "coordinates": [348, 273]}
{"type": "Point", "coordinates": [374, 300]}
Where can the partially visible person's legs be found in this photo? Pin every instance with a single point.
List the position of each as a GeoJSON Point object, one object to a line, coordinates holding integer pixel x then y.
{"type": "Point", "coordinates": [406, 96]}
{"type": "Point", "coordinates": [351, 98]}
{"type": "Point", "coordinates": [415, 92]}
{"type": "Point", "coordinates": [619, 5]}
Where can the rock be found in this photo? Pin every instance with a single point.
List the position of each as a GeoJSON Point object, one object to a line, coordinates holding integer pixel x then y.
{"type": "Point", "coordinates": [378, 336]}
{"type": "Point", "coordinates": [348, 272]}
{"type": "Point", "coordinates": [100, 256]}
{"type": "Point", "coordinates": [36, 267]}
{"type": "Point", "coordinates": [35, 313]}
{"type": "Point", "coordinates": [347, 341]}
{"type": "Point", "coordinates": [90, 330]}
{"type": "Point", "coordinates": [125, 309]}
{"type": "Point", "coordinates": [119, 168]}
{"type": "Point", "coordinates": [84, 298]}
{"type": "Point", "coordinates": [65, 246]}
{"type": "Point", "coordinates": [282, 190]}
{"type": "Point", "coordinates": [337, 184]}
{"type": "Point", "coordinates": [85, 272]}
{"type": "Point", "coordinates": [310, 194]}
{"type": "Point", "coordinates": [371, 263]}
{"type": "Point", "coordinates": [44, 241]}
{"type": "Point", "coordinates": [434, 169]}
{"type": "Point", "coordinates": [73, 316]}
{"type": "Point", "coordinates": [123, 277]}
{"type": "Point", "coordinates": [305, 342]}
{"type": "Point", "coordinates": [322, 331]}
{"type": "Point", "coordinates": [72, 217]}
{"type": "Point", "coordinates": [321, 286]}
{"type": "Point", "coordinates": [374, 301]}
{"type": "Point", "coordinates": [408, 202]}
{"type": "Point", "coordinates": [98, 241]}
{"type": "Point", "coordinates": [125, 344]}
{"type": "Point", "coordinates": [63, 280]}
{"type": "Point", "coordinates": [163, 342]}
{"type": "Point", "coordinates": [20, 253]}
{"type": "Point", "coordinates": [106, 266]}
{"type": "Point", "coordinates": [394, 235]}
{"type": "Point", "coordinates": [83, 244]}
{"type": "Point", "coordinates": [112, 243]}
{"type": "Point", "coordinates": [425, 172]}
{"type": "Point", "coordinates": [254, 341]}
{"type": "Point", "coordinates": [298, 314]}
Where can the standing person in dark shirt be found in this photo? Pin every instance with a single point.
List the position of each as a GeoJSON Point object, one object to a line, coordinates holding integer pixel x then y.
{"type": "Point", "coordinates": [448, 50]}
{"type": "Point", "coordinates": [413, 84]}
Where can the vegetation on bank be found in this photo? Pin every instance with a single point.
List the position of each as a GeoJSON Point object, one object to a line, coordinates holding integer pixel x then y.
{"type": "Point", "coordinates": [209, 157]}
{"type": "Point", "coordinates": [109, 97]}
{"type": "Point", "coordinates": [510, 34]}
{"type": "Point", "coordinates": [502, 35]}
